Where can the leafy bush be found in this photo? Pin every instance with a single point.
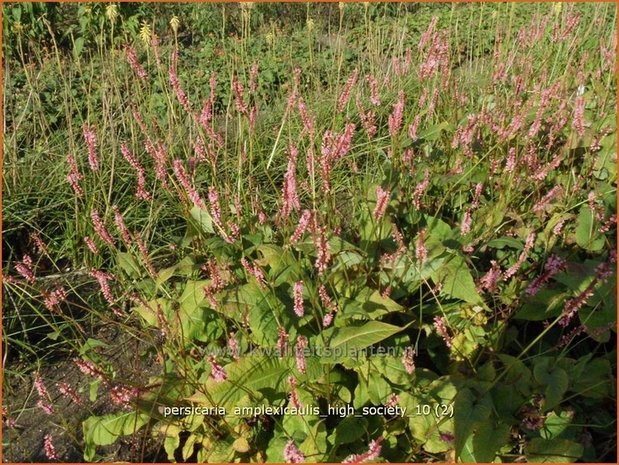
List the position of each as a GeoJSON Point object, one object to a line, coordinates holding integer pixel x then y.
{"type": "Point", "coordinates": [428, 226]}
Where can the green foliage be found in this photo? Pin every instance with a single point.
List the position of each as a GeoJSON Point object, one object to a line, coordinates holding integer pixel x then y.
{"type": "Point", "coordinates": [495, 334]}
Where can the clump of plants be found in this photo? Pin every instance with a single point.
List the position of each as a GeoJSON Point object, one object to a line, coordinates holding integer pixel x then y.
{"type": "Point", "coordinates": [427, 236]}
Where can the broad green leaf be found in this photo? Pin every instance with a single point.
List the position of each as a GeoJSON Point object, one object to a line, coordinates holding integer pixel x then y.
{"type": "Point", "coordinates": [128, 264]}
{"type": "Point", "coordinates": [545, 304]}
{"type": "Point", "coordinates": [148, 311]}
{"type": "Point", "coordinates": [164, 275]}
{"type": "Point", "coordinates": [91, 344]}
{"type": "Point", "coordinates": [554, 378]}
{"type": "Point", "coordinates": [102, 431]}
{"type": "Point", "coordinates": [78, 46]}
{"type": "Point", "coordinates": [392, 368]}
{"type": "Point", "coordinates": [457, 281]}
{"type": "Point", "coordinates": [369, 303]}
{"type": "Point", "coordinates": [433, 132]}
{"type": "Point", "coordinates": [555, 424]}
{"type": "Point", "coordinates": [587, 234]}
{"type": "Point", "coordinates": [469, 413]}
{"type": "Point", "coordinates": [348, 341]}
{"type": "Point", "coordinates": [348, 430]}
{"type": "Point", "coordinates": [596, 381]}
{"type": "Point", "coordinates": [437, 228]}
{"type": "Point", "coordinates": [170, 444]}
{"type": "Point", "coordinates": [247, 376]}
{"type": "Point", "coordinates": [378, 389]}
{"type": "Point", "coordinates": [517, 374]}
{"type": "Point", "coordinates": [503, 242]}
{"type": "Point", "coordinates": [203, 218]}
{"type": "Point", "coordinates": [553, 450]}
{"type": "Point", "coordinates": [484, 445]}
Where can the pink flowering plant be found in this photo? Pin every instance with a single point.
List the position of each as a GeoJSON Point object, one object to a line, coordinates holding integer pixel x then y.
{"type": "Point", "coordinates": [413, 262]}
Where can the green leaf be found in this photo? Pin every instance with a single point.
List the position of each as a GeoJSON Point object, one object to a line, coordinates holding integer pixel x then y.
{"type": "Point", "coordinates": [164, 275]}
{"type": "Point", "coordinates": [170, 445]}
{"type": "Point", "coordinates": [469, 413]}
{"type": "Point", "coordinates": [483, 446]}
{"type": "Point", "coordinates": [105, 430]}
{"type": "Point", "coordinates": [587, 234]}
{"type": "Point", "coordinates": [554, 378]}
{"type": "Point", "coordinates": [249, 375]}
{"type": "Point", "coordinates": [503, 242]}
{"type": "Point", "coordinates": [348, 430]}
{"type": "Point", "coordinates": [347, 341]}
{"type": "Point", "coordinates": [91, 344]}
{"type": "Point", "coordinates": [457, 281]}
{"type": "Point", "coordinates": [128, 264]}
{"type": "Point", "coordinates": [203, 218]}
{"type": "Point", "coordinates": [392, 368]}
{"type": "Point", "coordinates": [78, 46]}
{"type": "Point", "coordinates": [378, 389]}
{"type": "Point", "coordinates": [94, 390]}
{"type": "Point", "coordinates": [555, 424]}
{"type": "Point", "coordinates": [597, 379]}
{"type": "Point", "coordinates": [553, 450]}
{"type": "Point", "coordinates": [437, 228]}
{"type": "Point", "coordinates": [433, 132]}
{"type": "Point", "coordinates": [369, 303]}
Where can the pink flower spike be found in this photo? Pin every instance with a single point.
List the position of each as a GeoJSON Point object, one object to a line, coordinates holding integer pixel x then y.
{"type": "Point", "coordinates": [282, 342]}
{"type": "Point", "coordinates": [40, 386]}
{"type": "Point", "coordinates": [67, 391]}
{"type": "Point", "coordinates": [24, 268]}
{"type": "Point", "coordinates": [123, 395]}
{"type": "Point", "coordinates": [89, 368]}
{"type": "Point", "coordinates": [54, 298]}
{"type": "Point", "coordinates": [183, 179]}
{"type": "Point", "coordinates": [395, 119]}
{"type": "Point", "coordinates": [372, 454]}
{"type": "Point", "coordinates": [213, 199]}
{"type": "Point", "coordinates": [74, 176]}
{"type": "Point", "coordinates": [294, 395]}
{"type": "Point", "coordinates": [120, 224]}
{"type": "Point", "coordinates": [323, 255]}
{"type": "Point", "coordinates": [233, 346]}
{"type": "Point", "coordinates": [103, 279]}
{"type": "Point", "coordinates": [290, 198]}
{"type": "Point", "coordinates": [298, 298]}
{"type": "Point", "coordinates": [382, 199]}
{"type": "Point", "coordinates": [465, 227]}
{"type": "Point", "coordinates": [48, 447]}
{"type": "Point", "coordinates": [302, 226]}
{"type": "Point", "coordinates": [579, 116]}
{"type": "Point", "coordinates": [255, 271]}
{"type": "Point", "coordinates": [299, 351]}
{"type": "Point", "coordinates": [490, 279]}
{"type": "Point", "coordinates": [100, 228]}
{"type": "Point", "coordinates": [178, 90]}
{"type": "Point", "coordinates": [141, 192]}
{"type": "Point", "coordinates": [441, 329]}
{"type": "Point", "coordinates": [345, 95]}
{"type": "Point", "coordinates": [374, 95]}
{"type": "Point", "coordinates": [421, 252]}
{"type": "Point", "coordinates": [217, 371]}
{"type": "Point", "coordinates": [91, 245]}
{"type": "Point", "coordinates": [237, 88]}
{"type": "Point", "coordinates": [393, 400]}
{"type": "Point", "coordinates": [91, 143]}
{"type": "Point", "coordinates": [408, 360]}
{"type": "Point", "coordinates": [135, 64]}
{"type": "Point", "coordinates": [292, 454]}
